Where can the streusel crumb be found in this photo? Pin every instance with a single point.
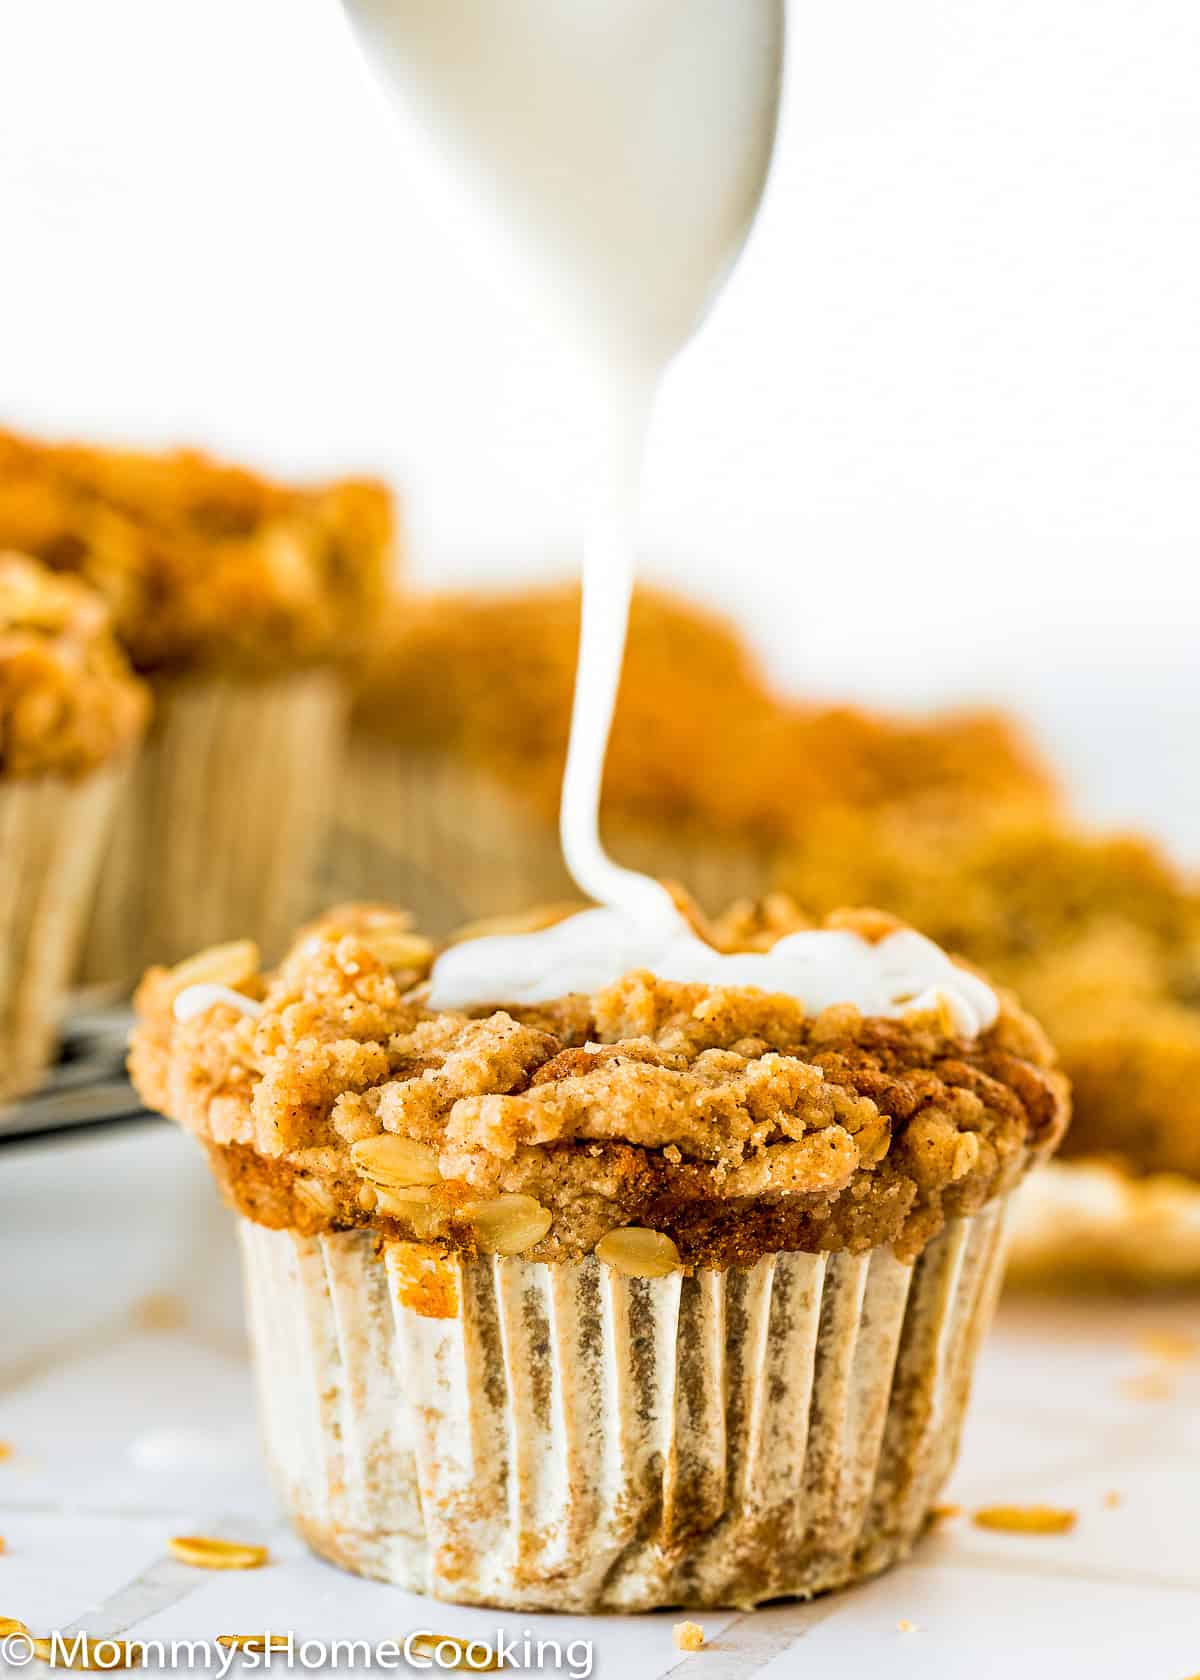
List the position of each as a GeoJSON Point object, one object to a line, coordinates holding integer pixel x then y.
{"type": "Point", "coordinates": [699, 736]}
{"type": "Point", "coordinates": [725, 1120]}
{"type": "Point", "coordinates": [203, 564]}
{"type": "Point", "coordinates": [688, 1636]}
{"type": "Point", "coordinates": [68, 700]}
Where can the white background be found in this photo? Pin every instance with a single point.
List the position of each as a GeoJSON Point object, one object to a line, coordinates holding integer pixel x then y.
{"type": "Point", "coordinates": [938, 440]}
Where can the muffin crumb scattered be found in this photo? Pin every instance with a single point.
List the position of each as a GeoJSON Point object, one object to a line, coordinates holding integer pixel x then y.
{"type": "Point", "coordinates": [158, 1312]}
{"type": "Point", "coordinates": [203, 1552]}
{"type": "Point", "coordinates": [1172, 1347]}
{"type": "Point", "coordinates": [1152, 1386]}
{"type": "Point", "coordinates": [688, 1636]}
{"type": "Point", "coordinates": [451, 1653]}
{"type": "Point", "coordinates": [907, 1627]}
{"type": "Point", "coordinates": [1113, 1499]}
{"type": "Point", "coordinates": [1026, 1519]}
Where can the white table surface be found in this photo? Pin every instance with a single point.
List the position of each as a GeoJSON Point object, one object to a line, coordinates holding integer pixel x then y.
{"type": "Point", "coordinates": [123, 1434]}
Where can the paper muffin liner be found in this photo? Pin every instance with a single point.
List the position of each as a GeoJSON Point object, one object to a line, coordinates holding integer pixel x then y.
{"type": "Point", "coordinates": [217, 835]}
{"type": "Point", "coordinates": [451, 842]}
{"type": "Point", "coordinates": [561, 1437]}
{"type": "Point", "coordinates": [1086, 1223]}
{"type": "Point", "coordinates": [52, 837]}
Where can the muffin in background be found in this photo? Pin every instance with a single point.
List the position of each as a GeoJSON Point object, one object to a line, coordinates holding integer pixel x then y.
{"type": "Point", "coordinates": [246, 604]}
{"type": "Point", "coordinates": [450, 794]}
{"type": "Point", "coordinates": [668, 1295]}
{"type": "Point", "coordinates": [71, 715]}
{"type": "Point", "coordinates": [1100, 936]}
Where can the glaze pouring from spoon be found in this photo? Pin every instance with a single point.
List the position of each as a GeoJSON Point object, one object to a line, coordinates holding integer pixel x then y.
{"type": "Point", "coordinates": [619, 149]}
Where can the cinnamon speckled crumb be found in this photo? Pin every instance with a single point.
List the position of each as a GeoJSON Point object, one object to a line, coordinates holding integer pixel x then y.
{"type": "Point", "coordinates": [728, 1120]}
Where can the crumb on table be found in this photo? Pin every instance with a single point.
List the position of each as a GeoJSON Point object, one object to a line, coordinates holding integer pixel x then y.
{"type": "Point", "coordinates": [1171, 1346]}
{"type": "Point", "coordinates": [1155, 1385]}
{"type": "Point", "coordinates": [1026, 1519]}
{"type": "Point", "coordinates": [688, 1636]}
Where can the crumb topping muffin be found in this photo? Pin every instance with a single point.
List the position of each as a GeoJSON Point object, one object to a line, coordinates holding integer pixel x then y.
{"type": "Point", "coordinates": [700, 1126]}
{"type": "Point", "coordinates": [203, 564]}
{"type": "Point", "coordinates": [68, 700]}
{"type": "Point", "coordinates": [1099, 935]}
{"type": "Point", "coordinates": [699, 734]}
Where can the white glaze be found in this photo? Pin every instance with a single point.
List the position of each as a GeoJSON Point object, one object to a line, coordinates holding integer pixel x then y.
{"type": "Point", "coordinates": [615, 150]}
{"type": "Point", "coordinates": [624, 144]}
{"type": "Point", "coordinates": [194, 1000]}
{"type": "Point", "coordinates": [901, 974]}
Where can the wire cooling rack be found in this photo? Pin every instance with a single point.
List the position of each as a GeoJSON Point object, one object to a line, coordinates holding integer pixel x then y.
{"type": "Point", "coordinates": [87, 1086]}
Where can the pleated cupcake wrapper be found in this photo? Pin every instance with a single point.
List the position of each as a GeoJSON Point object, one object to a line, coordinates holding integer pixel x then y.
{"type": "Point", "coordinates": [52, 837]}
{"type": "Point", "coordinates": [571, 1439]}
{"type": "Point", "coordinates": [217, 836]}
{"type": "Point", "coordinates": [450, 841]}
{"type": "Point", "coordinates": [1081, 1223]}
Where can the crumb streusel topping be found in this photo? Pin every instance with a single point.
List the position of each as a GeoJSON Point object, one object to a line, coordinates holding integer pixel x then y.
{"type": "Point", "coordinates": [202, 563]}
{"type": "Point", "coordinates": [699, 734]}
{"type": "Point", "coordinates": [68, 700]}
{"type": "Point", "coordinates": [678, 1124]}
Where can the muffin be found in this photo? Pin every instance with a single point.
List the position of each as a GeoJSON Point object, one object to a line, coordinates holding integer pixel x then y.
{"type": "Point", "coordinates": [71, 714]}
{"type": "Point", "coordinates": [449, 801]}
{"type": "Point", "coordinates": [245, 604]}
{"type": "Point", "coordinates": [666, 1295]}
{"type": "Point", "coordinates": [1100, 936]}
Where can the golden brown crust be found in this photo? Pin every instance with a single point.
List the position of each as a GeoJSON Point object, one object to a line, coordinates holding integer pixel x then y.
{"type": "Point", "coordinates": [203, 564]}
{"type": "Point", "coordinates": [68, 700]}
{"type": "Point", "coordinates": [699, 736]}
{"type": "Point", "coordinates": [1099, 935]}
{"type": "Point", "coordinates": [727, 1119]}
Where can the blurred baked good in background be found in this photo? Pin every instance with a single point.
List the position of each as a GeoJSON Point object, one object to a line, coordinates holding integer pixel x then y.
{"type": "Point", "coordinates": [245, 603]}
{"type": "Point", "coordinates": [71, 715]}
{"type": "Point", "coordinates": [1099, 935]}
{"type": "Point", "coordinates": [450, 795]}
